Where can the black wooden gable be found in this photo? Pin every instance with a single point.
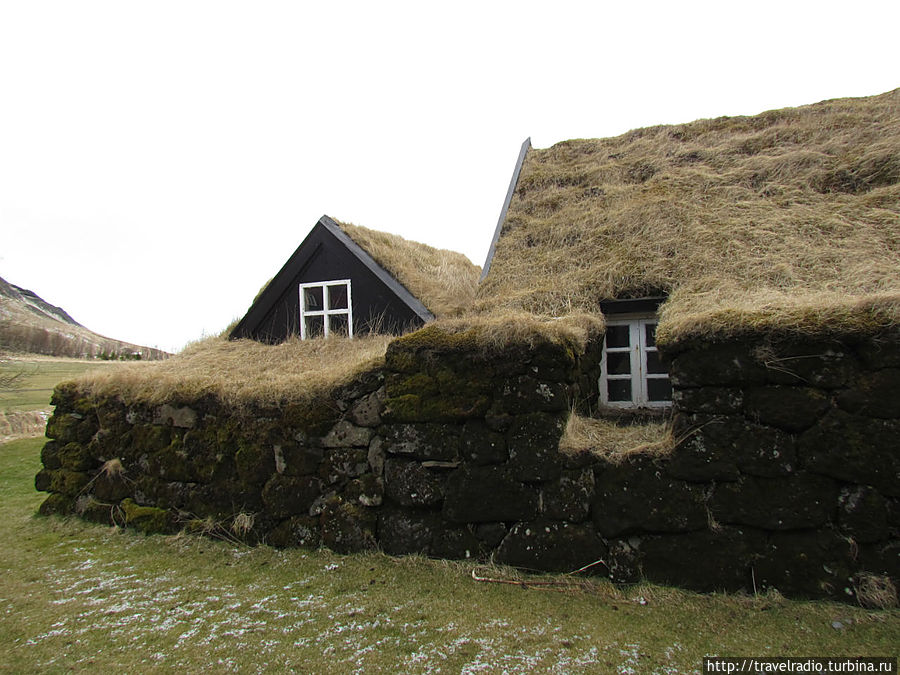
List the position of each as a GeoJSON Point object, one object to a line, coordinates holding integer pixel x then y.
{"type": "Point", "coordinates": [380, 302]}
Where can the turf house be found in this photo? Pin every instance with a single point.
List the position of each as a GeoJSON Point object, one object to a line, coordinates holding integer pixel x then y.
{"type": "Point", "coordinates": [681, 364]}
{"type": "Point", "coordinates": [347, 280]}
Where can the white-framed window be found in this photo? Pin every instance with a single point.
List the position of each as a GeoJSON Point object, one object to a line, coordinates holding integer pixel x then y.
{"type": "Point", "coordinates": [326, 308]}
{"type": "Point", "coordinates": [631, 373]}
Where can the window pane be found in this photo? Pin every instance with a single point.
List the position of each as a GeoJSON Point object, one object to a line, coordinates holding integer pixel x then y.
{"type": "Point", "coordinates": [619, 390]}
{"type": "Point", "coordinates": [337, 297]}
{"type": "Point", "coordinates": [315, 326]}
{"type": "Point", "coordinates": [650, 334]}
{"type": "Point", "coordinates": [338, 325]}
{"type": "Point", "coordinates": [617, 336]}
{"type": "Point", "coordinates": [312, 299]}
{"type": "Point", "coordinates": [655, 365]}
{"type": "Point", "coordinates": [659, 389]}
{"type": "Point", "coordinates": [618, 363]}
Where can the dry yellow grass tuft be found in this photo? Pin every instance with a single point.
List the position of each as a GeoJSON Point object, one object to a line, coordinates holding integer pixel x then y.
{"type": "Point", "coordinates": [615, 442]}
{"type": "Point", "coordinates": [789, 219]}
{"type": "Point", "coordinates": [243, 372]}
{"type": "Point", "coordinates": [445, 281]}
{"type": "Point", "coordinates": [493, 332]}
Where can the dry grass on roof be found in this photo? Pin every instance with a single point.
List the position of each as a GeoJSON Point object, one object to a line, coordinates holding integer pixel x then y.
{"type": "Point", "coordinates": [790, 218]}
{"type": "Point", "coordinates": [444, 281]}
{"type": "Point", "coordinates": [244, 372]}
{"type": "Point", "coordinates": [494, 332]}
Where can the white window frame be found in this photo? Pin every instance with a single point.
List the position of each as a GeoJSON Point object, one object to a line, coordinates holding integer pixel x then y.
{"type": "Point", "coordinates": [326, 312]}
{"type": "Point", "coordinates": [638, 350]}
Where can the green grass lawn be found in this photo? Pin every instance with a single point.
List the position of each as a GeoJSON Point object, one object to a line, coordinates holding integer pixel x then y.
{"type": "Point", "coordinates": [82, 597]}
{"type": "Point", "coordinates": [40, 376]}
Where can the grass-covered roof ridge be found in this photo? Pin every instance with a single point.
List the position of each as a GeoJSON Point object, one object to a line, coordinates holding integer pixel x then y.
{"type": "Point", "coordinates": [787, 220]}
{"type": "Point", "coordinates": [444, 281]}
{"type": "Point", "coordinates": [243, 373]}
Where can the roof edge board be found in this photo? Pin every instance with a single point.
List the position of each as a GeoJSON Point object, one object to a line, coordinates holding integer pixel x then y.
{"type": "Point", "coordinates": [514, 181]}
{"type": "Point", "coordinates": [276, 286]}
{"type": "Point", "coordinates": [399, 289]}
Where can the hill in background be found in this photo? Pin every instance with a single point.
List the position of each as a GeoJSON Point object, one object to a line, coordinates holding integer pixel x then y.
{"type": "Point", "coordinates": [32, 325]}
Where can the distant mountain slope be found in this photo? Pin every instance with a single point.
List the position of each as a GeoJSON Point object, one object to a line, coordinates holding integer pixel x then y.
{"type": "Point", "coordinates": [28, 323]}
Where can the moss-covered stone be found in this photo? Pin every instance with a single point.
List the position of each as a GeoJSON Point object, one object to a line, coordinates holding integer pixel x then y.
{"type": "Point", "coordinates": [147, 519]}
{"type": "Point", "coordinates": [406, 531]}
{"type": "Point", "coordinates": [722, 447]}
{"type": "Point", "coordinates": [409, 352]}
{"type": "Point", "coordinates": [296, 459]}
{"type": "Point", "coordinates": [447, 397]}
{"type": "Point", "coordinates": [149, 438]}
{"type": "Point", "coordinates": [297, 531]}
{"type": "Point", "coordinates": [533, 443]}
{"type": "Point", "coordinates": [709, 400]}
{"type": "Point", "coordinates": [706, 560]}
{"type": "Point", "coordinates": [110, 486]}
{"type": "Point", "coordinates": [50, 455]}
{"type": "Point", "coordinates": [873, 394]}
{"type": "Point", "coordinates": [428, 441]}
{"type": "Point", "coordinates": [552, 546]}
{"type": "Point", "coordinates": [285, 496]}
{"type": "Point", "coordinates": [812, 563]}
{"type": "Point", "coordinates": [314, 417]}
{"type": "Point", "coordinates": [76, 457]}
{"type": "Point", "coordinates": [71, 427]}
{"type": "Point", "coordinates": [57, 504]}
{"type": "Point", "coordinates": [456, 543]}
{"type": "Point", "coordinates": [95, 511]}
{"type": "Point", "coordinates": [347, 528]}
{"type": "Point", "coordinates": [855, 449]}
{"type": "Point", "coordinates": [880, 351]}
{"type": "Point", "coordinates": [784, 503]}
{"type": "Point", "coordinates": [408, 483]}
{"type": "Point", "coordinates": [790, 408]}
{"type": "Point", "coordinates": [366, 412]}
{"type": "Point", "coordinates": [345, 434]}
{"type": "Point", "coordinates": [480, 445]}
{"type": "Point", "coordinates": [863, 514]}
{"type": "Point", "coordinates": [716, 365]}
{"type": "Point", "coordinates": [569, 497]}
{"type": "Point", "coordinates": [638, 496]}
{"type": "Point", "coordinates": [367, 490]}
{"type": "Point", "coordinates": [700, 456]}
{"type": "Point", "coordinates": [526, 394]}
{"type": "Point", "coordinates": [809, 363]}
{"type": "Point", "coordinates": [255, 461]}
{"type": "Point", "coordinates": [69, 483]}
{"type": "Point", "coordinates": [43, 480]}
{"type": "Point", "coordinates": [488, 494]}
{"type": "Point", "coordinates": [343, 464]}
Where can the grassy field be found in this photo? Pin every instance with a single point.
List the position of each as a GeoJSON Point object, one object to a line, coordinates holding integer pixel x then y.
{"type": "Point", "coordinates": [81, 597]}
{"type": "Point", "coordinates": [40, 375]}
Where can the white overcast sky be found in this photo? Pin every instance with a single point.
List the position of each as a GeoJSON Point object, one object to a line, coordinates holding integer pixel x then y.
{"type": "Point", "coordinates": [159, 161]}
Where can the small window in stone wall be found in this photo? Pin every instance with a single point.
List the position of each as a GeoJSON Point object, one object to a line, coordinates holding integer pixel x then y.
{"type": "Point", "coordinates": [326, 309]}
{"type": "Point", "coordinates": [631, 373]}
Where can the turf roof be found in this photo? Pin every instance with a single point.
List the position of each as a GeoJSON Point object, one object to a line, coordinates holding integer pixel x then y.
{"type": "Point", "coordinates": [444, 281]}
{"type": "Point", "coordinates": [788, 221]}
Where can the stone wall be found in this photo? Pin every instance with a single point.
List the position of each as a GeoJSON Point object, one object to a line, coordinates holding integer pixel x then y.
{"type": "Point", "coordinates": [787, 475]}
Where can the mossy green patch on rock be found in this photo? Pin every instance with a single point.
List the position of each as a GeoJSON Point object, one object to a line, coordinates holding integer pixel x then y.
{"type": "Point", "coordinates": [147, 519]}
{"type": "Point", "coordinates": [69, 482]}
{"type": "Point", "coordinates": [296, 531]}
{"type": "Point", "coordinates": [255, 462]}
{"type": "Point", "coordinates": [56, 504]}
{"type": "Point", "coordinates": [314, 417]}
{"type": "Point", "coordinates": [50, 455]}
{"type": "Point", "coordinates": [346, 527]}
{"type": "Point", "coordinates": [76, 457]}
